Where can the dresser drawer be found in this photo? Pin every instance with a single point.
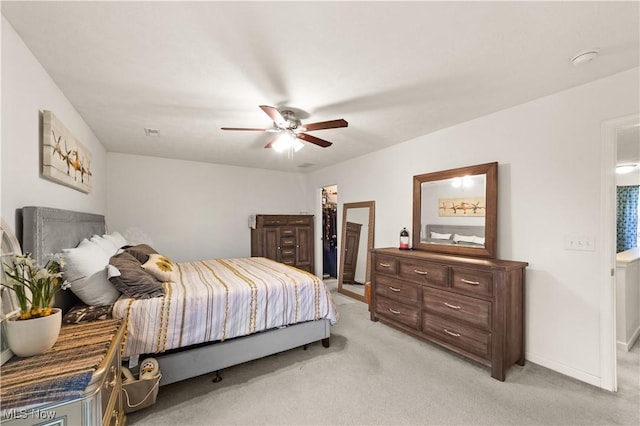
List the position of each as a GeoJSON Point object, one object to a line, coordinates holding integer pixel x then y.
{"type": "Point", "coordinates": [397, 290]}
{"type": "Point", "coordinates": [465, 337]}
{"type": "Point", "coordinates": [424, 272]}
{"type": "Point", "coordinates": [288, 241]}
{"type": "Point", "coordinates": [468, 309]}
{"type": "Point", "coordinates": [274, 220]}
{"type": "Point", "coordinates": [398, 312]}
{"type": "Point", "coordinates": [386, 264]}
{"type": "Point", "coordinates": [472, 282]}
{"type": "Point", "coordinates": [110, 386]}
{"type": "Point", "coordinates": [299, 221]}
{"type": "Point", "coordinates": [287, 233]}
{"type": "Point", "coordinates": [114, 413]}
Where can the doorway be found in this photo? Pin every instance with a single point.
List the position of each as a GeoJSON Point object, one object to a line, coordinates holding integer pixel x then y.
{"type": "Point", "coordinates": [627, 259]}
{"type": "Point", "coordinates": [330, 232]}
{"type": "Point", "coordinates": [608, 309]}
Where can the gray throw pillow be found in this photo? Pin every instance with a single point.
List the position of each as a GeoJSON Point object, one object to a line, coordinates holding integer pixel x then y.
{"type": "Point", "coordinates": [140, 252]}
{"type": "Point", "coordinates": [126, 274]}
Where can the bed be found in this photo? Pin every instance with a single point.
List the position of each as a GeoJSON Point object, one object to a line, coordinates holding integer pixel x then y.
{"type": "Point", "coordinates": [299, 309]}
{"type": "Point", "coordinates": [462, 235]}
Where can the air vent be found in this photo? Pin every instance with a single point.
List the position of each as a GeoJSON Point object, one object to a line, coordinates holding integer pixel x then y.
{"type": "Point", "coordinates": [305, 165]}
{"type": "Point", "coordinates": [154, 133]}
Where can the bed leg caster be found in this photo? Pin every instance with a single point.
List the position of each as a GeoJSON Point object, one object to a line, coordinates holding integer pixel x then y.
{"type": "Point", "coordinates": [218, 377]}
{"type": "Point", "coordinates": [304, 347]}
{"type": "Point", "coordinates": [326, 343]}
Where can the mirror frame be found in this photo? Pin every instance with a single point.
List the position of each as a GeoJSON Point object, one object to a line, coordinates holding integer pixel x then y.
{"type": "Point", "coordinates": [491, 213]}
{"type": "Point", "coordinates": [370, 242]}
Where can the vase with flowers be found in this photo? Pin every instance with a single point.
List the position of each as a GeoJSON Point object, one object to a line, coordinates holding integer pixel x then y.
{"type": "Point", "coordinates": [36, 327]}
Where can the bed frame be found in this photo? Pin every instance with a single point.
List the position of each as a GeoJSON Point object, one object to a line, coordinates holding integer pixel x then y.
{"type": "Point", "coordinates": [47, 230]}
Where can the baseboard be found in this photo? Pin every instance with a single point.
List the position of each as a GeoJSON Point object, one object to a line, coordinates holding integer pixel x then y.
{"type": "Point", "coordinates": [629, 343]}
{"type": "Point", "coordinates": [564, 369]}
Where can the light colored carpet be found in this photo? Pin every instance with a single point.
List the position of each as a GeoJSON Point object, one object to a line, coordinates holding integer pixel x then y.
{"type": "Point", "coordinates": [373, 374]}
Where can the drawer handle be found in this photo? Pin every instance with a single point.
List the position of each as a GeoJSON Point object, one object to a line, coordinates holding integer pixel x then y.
{"type": "Point", "coordinates": [394, 312]}
{"type": "Point", "coordinates": [112, 383]}
{"type": "Point", "coordinates": [452, 306]}
{"type": "Point", "coordinates": [385, 265]}
{"type": "Point", "coordinates": [470, 282]}
{"type": "Point", "coordinates": [397, 290]}
{"type": "Point", "coordinates": [420, 272]}
{"type": "Point", "coordinates": [451, 333]}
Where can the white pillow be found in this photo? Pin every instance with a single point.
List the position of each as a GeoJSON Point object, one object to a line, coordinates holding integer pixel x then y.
{"type": "Point", "coordinates": [468, 239]}
{"type": "Point", "coordinates": [436, 236]}
{"type": "Point", "coordinates": [108, 246]}
{"type": "Point", "coordinates": [85, 269]}
{"type": "Point", "coordinates": [117, 239]}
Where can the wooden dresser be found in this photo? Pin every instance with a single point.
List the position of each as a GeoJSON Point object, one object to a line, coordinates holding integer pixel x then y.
{"type": "Point", "coordinates": [40, 390]}
{"type": "Point", "coordinates": [472, 306]}
{"type": "Point", "coordinates": [284, 238]}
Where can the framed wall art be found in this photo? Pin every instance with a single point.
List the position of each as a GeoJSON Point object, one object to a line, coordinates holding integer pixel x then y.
{"type": "Point", "coordinates": [462, 207]}
{"type": "Point", "coordinates": [64, 159]}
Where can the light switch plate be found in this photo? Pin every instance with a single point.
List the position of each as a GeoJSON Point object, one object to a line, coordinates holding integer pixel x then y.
{"type": "Point", "coordinates": [580, 242]}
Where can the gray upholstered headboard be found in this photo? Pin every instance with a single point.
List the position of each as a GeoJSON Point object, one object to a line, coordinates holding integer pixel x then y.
{"type": "Point", "coordinates": [46, 231]}
{"type": "Point", "coordinates": [466, 230]}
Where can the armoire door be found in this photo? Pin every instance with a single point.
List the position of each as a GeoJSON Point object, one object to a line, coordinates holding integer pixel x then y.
{"type": "Point", "coordinates": [271, 243]}
{"type": "Point", "coordinates": [304, 249]}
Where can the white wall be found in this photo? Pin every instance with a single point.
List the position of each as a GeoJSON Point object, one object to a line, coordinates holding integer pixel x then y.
{"type": "Point", "coordinates": [27, 89]}
{"type": "Point", "coordinates": [193, 210]}
{"type": "Point", "coordinates": [549, 154]}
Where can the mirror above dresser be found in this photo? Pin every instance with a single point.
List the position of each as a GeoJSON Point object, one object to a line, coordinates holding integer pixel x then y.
{"type": "Point", "coordinates": [455, 211]}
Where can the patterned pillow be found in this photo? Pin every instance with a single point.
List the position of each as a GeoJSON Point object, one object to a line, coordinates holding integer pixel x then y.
{"type": "Point", "coordinates": [87, 313]}
{"type": "Point", "coordinates": [161, 267]}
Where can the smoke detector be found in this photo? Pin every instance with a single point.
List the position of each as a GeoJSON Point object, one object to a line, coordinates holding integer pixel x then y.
{"type": "Point", "coordinates": [584, 57]}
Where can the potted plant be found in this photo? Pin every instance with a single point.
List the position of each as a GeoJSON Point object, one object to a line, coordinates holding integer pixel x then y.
{"type": "Point", "coordinates": [35, 329]}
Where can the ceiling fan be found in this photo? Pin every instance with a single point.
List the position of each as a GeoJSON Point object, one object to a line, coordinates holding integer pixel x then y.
{"type": "Point", "coordinates": [290, 129]}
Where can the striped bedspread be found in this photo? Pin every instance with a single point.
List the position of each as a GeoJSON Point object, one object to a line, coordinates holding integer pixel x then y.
{"type": "Point", "coordinates": [220, 299]}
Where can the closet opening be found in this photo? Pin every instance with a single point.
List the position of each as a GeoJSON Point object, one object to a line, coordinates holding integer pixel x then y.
{"type": "Point", "coordinates": [329, 232]}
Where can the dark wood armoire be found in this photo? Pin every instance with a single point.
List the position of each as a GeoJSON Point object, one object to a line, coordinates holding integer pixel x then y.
{"type": "Point", "coordinates": [284, 238]}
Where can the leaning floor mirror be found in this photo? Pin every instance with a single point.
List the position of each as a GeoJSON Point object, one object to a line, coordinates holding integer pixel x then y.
{"type": "Point", "coordinates": [358, 223]}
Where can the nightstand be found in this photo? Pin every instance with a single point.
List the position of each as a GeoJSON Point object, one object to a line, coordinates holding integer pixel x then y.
{"type": "Point", "coordinates": [77, 382]}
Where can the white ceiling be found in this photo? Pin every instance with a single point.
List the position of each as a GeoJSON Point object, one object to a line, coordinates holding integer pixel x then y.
{"type": "Point", "coordinates": [393, 70]}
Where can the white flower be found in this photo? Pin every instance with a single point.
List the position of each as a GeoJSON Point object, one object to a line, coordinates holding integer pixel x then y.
{"type": "Point", "coordinates": [42, 274]}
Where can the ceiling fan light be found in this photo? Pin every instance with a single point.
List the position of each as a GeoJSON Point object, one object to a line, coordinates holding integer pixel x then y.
{"type": "Point", "coordinates": [281, 144]}
{"type": "Point", "coordinates": [287, 141]}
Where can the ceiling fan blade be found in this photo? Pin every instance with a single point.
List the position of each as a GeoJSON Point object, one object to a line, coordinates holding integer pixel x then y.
{"type": "Point", "coordinates": [272, 141]}
{"type": "Point", "coordinates": [245, 129]}
{"type": "Point", "coordinates": [331, 124]}
{"type": "Point", "coordinates": [274, 114]}
{"type": "Point", "coordinates": [312, 139]}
